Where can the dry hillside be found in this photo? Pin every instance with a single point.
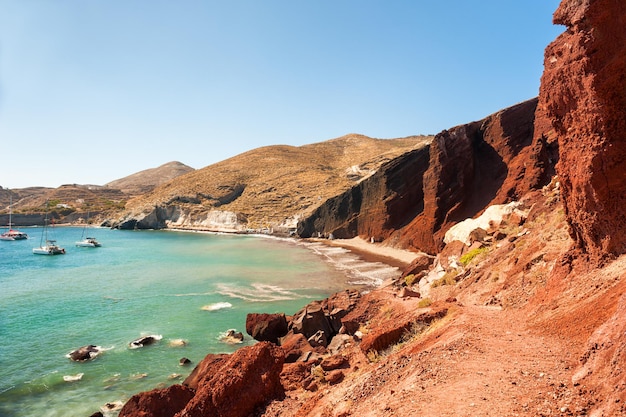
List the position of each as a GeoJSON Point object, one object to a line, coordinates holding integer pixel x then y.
{"type": "Point", "coordinates": [269, 185]}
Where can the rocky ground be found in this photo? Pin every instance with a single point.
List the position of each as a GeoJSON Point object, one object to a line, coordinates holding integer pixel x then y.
{"type": "Point", "coordinates": [514, 342]}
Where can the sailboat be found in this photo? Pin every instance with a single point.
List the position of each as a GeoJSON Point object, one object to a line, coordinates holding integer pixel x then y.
{"type": "Point", "coordinates": [48, 246]}
{"type": "Point", "coordinates": [86, 241]}
{"type": "Point", "coordinates": [12, 234]}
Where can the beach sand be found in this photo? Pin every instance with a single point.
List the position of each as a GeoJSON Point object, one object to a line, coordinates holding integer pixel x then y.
{"type": "Point", "coordinates": [373, 252]}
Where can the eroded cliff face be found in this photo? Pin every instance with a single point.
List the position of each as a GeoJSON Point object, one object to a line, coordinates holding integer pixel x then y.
{"type": "Point", "coordinates": [413, 200]}
{"type": "Point", "coordinates": [377, 206]}
{"type": "Point", "coordinates": [583, 99]}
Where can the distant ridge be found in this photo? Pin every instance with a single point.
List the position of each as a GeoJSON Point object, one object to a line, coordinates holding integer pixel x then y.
{"type": "Point", "coordinates": [78, 198]}
{"type": "Point", "coordinates": [264, 187]}
{"type": "Point", "coordinates": [147, 180]}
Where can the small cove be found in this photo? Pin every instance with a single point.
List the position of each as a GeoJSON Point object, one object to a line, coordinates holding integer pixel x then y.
{"type": "Point", "coordinates": [180, 285]}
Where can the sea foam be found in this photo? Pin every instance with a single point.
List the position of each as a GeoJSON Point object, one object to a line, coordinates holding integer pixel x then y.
{"type": "Point", "coordinates": [217, 306]}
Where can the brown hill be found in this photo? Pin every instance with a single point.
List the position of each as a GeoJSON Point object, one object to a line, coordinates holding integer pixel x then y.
{"type": "Point", "coordinates": [265, 187]}
{"type": "Point", "coordinates": [147, 180]}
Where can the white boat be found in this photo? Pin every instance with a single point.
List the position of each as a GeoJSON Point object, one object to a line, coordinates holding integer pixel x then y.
{"type": "Point", "coordinates": [86, 241]}
{"type": "Point", "coordinates": [12, 234]}
{"type": "Point", "coordinates": [48, 246]}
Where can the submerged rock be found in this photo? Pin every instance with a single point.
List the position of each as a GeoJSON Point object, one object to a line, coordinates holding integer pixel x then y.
{"type": "Point", "coordinates": [144, 341]}
{"type": "Point", "coordinates": [84, 353]}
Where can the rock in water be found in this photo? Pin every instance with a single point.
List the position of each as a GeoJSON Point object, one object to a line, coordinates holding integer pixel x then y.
{"type": "Point", "coordinates": [84, 353]}
{"type": "Point", "coordinates": [144, 341]}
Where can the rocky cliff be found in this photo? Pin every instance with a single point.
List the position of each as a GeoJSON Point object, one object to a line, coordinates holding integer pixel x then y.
{"type": "Point", "coordinates": [583, 100]}
{"type": "Point", "coordinates": [412, 201]}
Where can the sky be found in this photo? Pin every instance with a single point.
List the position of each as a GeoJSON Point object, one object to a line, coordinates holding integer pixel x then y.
{"type": "Point", "coordinates": [92, 91]}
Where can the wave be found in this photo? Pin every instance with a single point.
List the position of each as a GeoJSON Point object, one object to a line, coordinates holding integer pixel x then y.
{"type": "Point", "coordinates": [358, 271]}
{"type": "Point", "coordinates": [73, 378]}
{"type": "Point", "coordinates": [217, 306]}
{"type": "Point", "coordinates": [257, 292]}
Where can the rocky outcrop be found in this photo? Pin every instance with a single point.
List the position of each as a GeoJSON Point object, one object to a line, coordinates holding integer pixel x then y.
{"type": "Point", "coordinates": [322, 320]}
{"type": "Point", "coordinates": [221, 386]}
{"type": "Point", "coordinates": [412, 200]}
{"type": "Point", "coordinates": [583, 101]}
{"type": "Point", "coordinates": [175, 216]}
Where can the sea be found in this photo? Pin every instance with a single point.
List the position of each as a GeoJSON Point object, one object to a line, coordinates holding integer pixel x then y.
{"type": "Point", "coordinates": [186, 289]}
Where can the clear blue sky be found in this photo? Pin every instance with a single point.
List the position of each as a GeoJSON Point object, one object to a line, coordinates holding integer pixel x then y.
{"type": "Point", "coordinates": [92, 91]}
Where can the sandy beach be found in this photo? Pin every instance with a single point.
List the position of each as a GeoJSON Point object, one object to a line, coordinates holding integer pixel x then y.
{"type": "Point", "coordinates": [374, 252]}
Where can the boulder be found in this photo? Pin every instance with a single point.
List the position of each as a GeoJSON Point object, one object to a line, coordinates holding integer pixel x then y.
{"type": "Point", "coordinates": [158, 403]}
{"type": "Point", "coordinates": [408, 293]}
{"type": "Point", "coordinates": [144, 341]}
{"type": "Point", "coordinates": [320, 321]}
{"type": "Point", "coordinates": [237, 384]}
{"type": "Point", "coordinates": [338, 342]}
{"type": "Point", "coordinates": [334, 377]}
{"type": "Point", "coordinates": [266, 327]}
{"type": "Point", "coordinates": [331, 363]}
{"type": "Point", "coordinates": [232, 336]}
{"type": "Point", "coordinates": [319, 339]}
{"type": "Point", "coordinates": [311, 320]}
{"type": "Point", "coordinates": [294, 346]}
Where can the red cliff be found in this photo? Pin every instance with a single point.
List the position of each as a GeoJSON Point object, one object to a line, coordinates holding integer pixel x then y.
{"type": "Point", "coordinates": [412, 200]}
{"type": "Point", "coordinates": [583, 99]}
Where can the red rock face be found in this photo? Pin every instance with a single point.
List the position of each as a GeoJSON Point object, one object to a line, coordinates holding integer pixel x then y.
{"type": "Point", "coordinates": [492, 161]}
{"type": "Point", "coordinates": [413, 200]}
{"type": "Point", "coordinates": [583, 99]}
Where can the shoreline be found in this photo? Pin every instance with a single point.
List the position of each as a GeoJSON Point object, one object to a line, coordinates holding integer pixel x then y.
{"type": "Point", "coordinates": [369, 252]}
{"type": "Point", "coordinates": [372, 252]}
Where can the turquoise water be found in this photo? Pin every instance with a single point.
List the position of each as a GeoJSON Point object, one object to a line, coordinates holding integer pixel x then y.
{"type": "Point", "coordinates": [178, 285]}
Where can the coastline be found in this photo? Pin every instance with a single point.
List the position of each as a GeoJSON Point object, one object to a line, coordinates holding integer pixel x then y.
{"type": "Point", "coordinates": [372, 252]}
{"type": "Point", "coordinates": [369, 252]}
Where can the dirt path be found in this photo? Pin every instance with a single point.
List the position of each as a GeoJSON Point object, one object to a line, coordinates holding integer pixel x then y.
{"type": "Point", "coordinates": [481, 362]}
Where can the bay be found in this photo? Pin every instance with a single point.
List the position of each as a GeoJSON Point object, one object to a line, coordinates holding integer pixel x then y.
{"type": "Point", "coordinates": [177, 285]}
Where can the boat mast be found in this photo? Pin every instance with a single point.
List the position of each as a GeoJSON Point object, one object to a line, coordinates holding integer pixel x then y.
{"type": "Point", "coordinates": [10, 208]}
